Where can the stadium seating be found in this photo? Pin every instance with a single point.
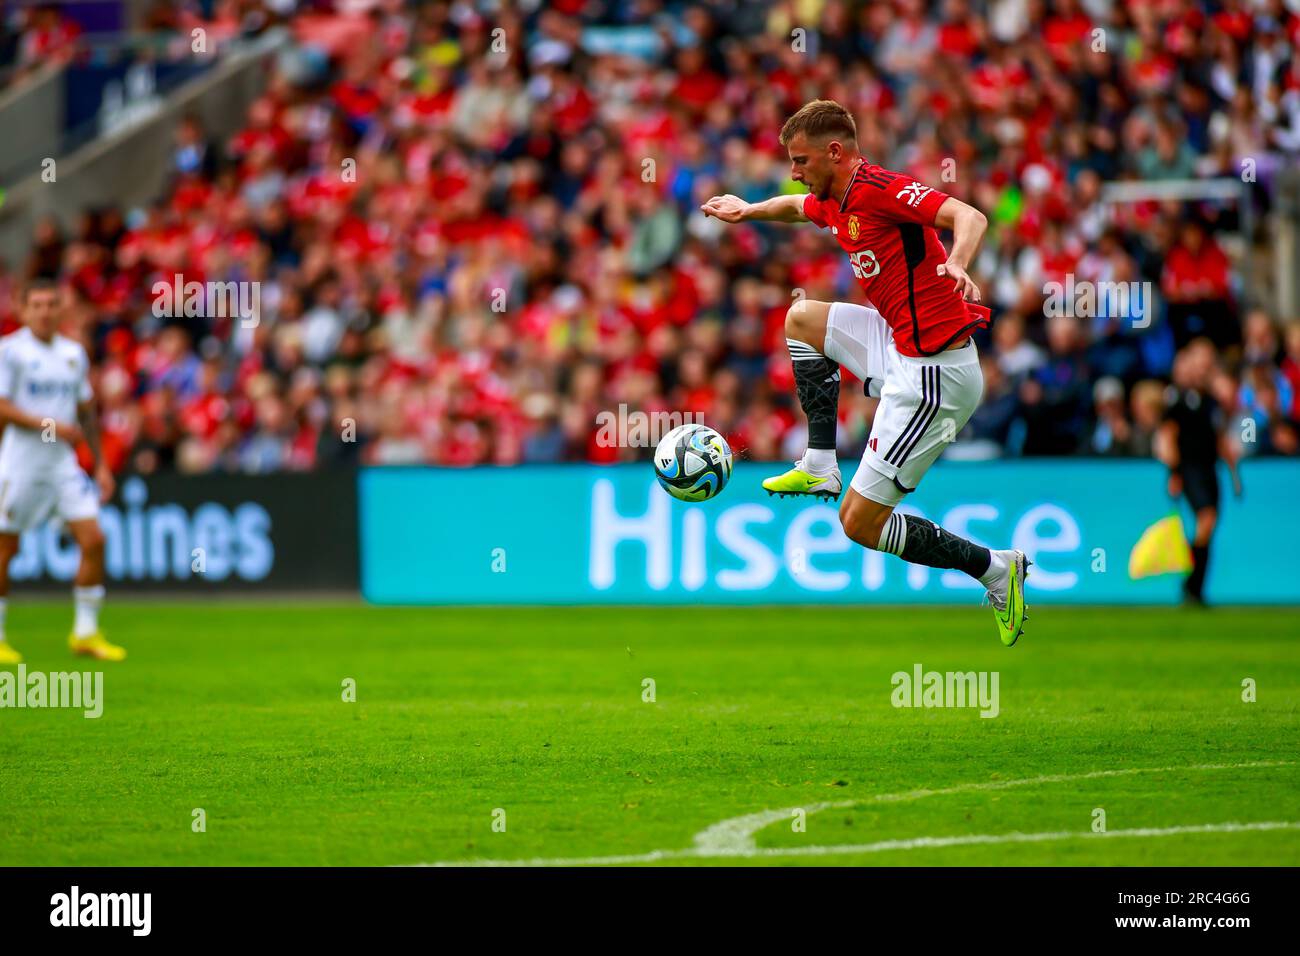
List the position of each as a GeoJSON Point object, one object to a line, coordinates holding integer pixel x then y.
{"type": "Point", "coordinates": [474, 235]}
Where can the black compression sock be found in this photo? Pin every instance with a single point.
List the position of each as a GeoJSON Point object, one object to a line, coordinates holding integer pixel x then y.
{"type": "Point", "coordinates": [1195, 585]}
{"type": "Point", "coordinates": [935, 547]}
{"type": "Point", "coordinates": [817, 380]}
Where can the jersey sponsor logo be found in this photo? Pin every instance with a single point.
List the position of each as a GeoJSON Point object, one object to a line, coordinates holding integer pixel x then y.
{"type": "Point", "coordinates": [864, 263]}
{"type": "Point", "coordinates": [913, 194]}
{"type": "Point", "coordinates": [51, 389]}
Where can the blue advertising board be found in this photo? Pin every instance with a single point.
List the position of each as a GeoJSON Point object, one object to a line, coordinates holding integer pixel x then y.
{"type": "Point", "coordinates": [579, 534]}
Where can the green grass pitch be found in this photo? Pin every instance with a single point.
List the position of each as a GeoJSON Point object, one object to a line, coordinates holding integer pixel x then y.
{"type": "Point", "coordinates": [237, 709]}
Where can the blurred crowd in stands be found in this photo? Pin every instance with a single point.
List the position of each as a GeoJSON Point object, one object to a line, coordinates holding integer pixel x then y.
{"type": "Point", "coordinates": [32, 35]}
{"type": "Point", "coordinates": [475, 226]}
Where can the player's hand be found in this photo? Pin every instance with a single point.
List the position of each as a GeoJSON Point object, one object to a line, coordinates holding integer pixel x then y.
{"type": "Point", "coordinates": [966, 286]}
{"type": "Point", "coordinates": [107, 483]}
{"type": "Point", "coordinates": [728, 208]}
{"type": "Point", "coordinates": [1175, 485]}
{"type": "Point", "coordinates": [69, 432]}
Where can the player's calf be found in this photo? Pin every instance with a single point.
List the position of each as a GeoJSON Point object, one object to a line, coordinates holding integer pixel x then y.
{"type": "Point", "coordinates": [88, 594]}
{"type": "Point", "coordinates": [816, 380]}
{"type": "Point", "coordinates": [914, 539]}
{"type": "Point", "coordinates": [917, 540]}
{"type": "Point", "coordinates": [90, 542]}
{"type": "Point", "coordinates": [8, 549]}
{"type": "Point", "coordinates": [817, 383]}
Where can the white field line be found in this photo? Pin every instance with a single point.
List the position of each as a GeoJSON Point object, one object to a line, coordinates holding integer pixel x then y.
{"type": "Point", "coordinates": [734, 837]}
{"type": "Point", "coordinates": [919, 843]}
{"type": "Point", "coordinates": [738, 832]}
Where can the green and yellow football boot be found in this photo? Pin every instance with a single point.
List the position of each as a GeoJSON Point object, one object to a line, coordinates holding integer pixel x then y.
{"type": "Point", "coordinates": [1009, 601]}
{"type": "Point", "coordinates": [797, 481]}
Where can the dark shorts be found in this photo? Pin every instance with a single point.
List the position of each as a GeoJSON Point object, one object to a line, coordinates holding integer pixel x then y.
{"type": "Point", "coordinates": [1201, 486]}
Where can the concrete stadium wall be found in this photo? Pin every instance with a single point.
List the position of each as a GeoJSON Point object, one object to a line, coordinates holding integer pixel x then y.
{"type": "Point", "coordinates": [34, 110]}
{"type": "Point", "coordinates": [131, 167]}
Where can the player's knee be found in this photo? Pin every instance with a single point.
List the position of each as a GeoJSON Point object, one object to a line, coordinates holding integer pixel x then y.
{"type": "Point", "coordinates": [804, 322]}
{"type": "Point", "coordinates": [91, 541]}
{"type": "Point", "coordinates": [860, 524]}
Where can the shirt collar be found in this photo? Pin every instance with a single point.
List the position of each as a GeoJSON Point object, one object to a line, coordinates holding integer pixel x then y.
{"type": "Point", "coordinates": [849, 184]}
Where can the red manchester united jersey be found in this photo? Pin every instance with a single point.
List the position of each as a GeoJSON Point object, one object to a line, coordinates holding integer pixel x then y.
{"type": "Point", "coordinates": [885, 222]}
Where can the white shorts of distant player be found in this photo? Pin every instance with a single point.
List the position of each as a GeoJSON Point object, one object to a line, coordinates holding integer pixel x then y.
{"type": "Point", "coordinates": [29, 497]}
{"type": "Point", "coordinates": [924, 402]}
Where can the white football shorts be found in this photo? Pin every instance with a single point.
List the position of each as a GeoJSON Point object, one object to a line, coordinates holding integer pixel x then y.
{"type": "Point", "coordinates": [28, 497]}
{"type": "Point", "coordinates": [924, 402]}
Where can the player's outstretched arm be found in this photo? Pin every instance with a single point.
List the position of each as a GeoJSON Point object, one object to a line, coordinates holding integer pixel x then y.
{"type": "Point", "coordinates": [11, 414]}
{"type": "Point", "coordinates": [731, 208]}
{"type": "Point", "coordinates": [968, 225]}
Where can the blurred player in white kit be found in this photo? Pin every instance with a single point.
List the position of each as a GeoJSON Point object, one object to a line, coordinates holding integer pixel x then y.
{"type": "Point", "coordinates": [46, 410]}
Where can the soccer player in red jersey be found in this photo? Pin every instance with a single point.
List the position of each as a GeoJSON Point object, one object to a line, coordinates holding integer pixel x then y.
{"type": "Point", "coordinates": [911, 347]}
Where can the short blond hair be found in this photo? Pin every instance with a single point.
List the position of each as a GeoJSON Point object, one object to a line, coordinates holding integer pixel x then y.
{"type": "Point", "coordinates": [820, 120]}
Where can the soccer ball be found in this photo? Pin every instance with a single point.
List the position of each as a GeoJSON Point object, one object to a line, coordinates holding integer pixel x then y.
{"type": "Point", "coordinates": [693, 462]}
